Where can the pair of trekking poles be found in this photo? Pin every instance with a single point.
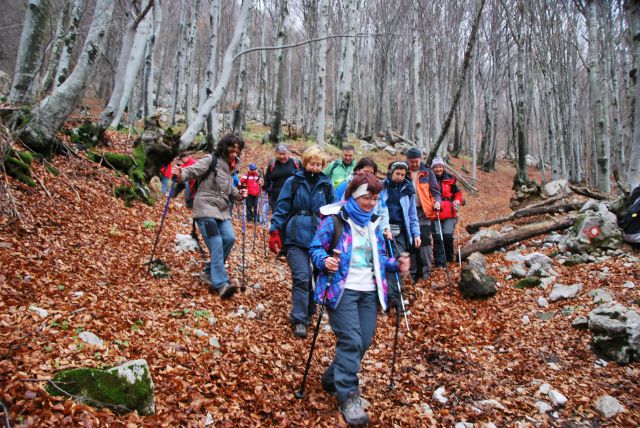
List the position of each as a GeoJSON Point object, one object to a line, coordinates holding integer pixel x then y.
{"type": "Point", "coordinates": [300, 391]}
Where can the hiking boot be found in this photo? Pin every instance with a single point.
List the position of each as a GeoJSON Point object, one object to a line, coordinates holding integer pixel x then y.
{"type": "Point", "coordinates": [300, 330]}
{"type": "Point", "coordinates": [227, 290]}
{"type": "Point", "coordinates": [351, 410]}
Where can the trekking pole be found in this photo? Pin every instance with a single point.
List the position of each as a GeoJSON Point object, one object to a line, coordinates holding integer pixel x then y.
{"type": "Point", "coordinates": [265, 222]}
{"type": "Point", "coordinates": [395, 348]}
{"type": "Point", "coordinates": [444, 251]}
{"type": "Point", "coordinates": [164, 214]}
{"type": "Point", "coordinates": [399, 287]}
{"type": "Point", "coordinates": [255, 222]}
{"type": "Point", "coordinates": [458, 238]}
{"type": "Point", "coordinates": [244, 232]}
{"type": "Point", "coordinates": [300, 392]}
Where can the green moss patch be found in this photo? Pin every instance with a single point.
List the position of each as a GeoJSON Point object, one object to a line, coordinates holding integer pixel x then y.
{"type": "Point", "coordinates": [18, 165]}
{"type": "Point", "coordinates": [123, 389]}
{"type": "Point", "coordinates": [530, 281]}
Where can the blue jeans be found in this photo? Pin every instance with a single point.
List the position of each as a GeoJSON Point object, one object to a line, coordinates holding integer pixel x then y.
{"type": "Point", "coordinates": [402, 244]}
{"type": "Point", "coordinates": [302, 303]}
{"type": "Point", "coordinates": [219, 237]}
{"type": "Point", "coordinates": [165, 184]}
{"type": "Point", "coordinates": [354, 324]}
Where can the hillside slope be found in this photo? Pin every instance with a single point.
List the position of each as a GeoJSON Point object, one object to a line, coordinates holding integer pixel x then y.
{"type": "Point", "coordinates": [80, 254]}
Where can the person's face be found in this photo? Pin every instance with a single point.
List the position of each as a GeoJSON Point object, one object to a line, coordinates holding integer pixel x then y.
{"type": "Point", "coordinates": [233, 152]}
{"type": "Point", "coordinates": [366, 169]}
{"type": "Point", "coordinates": [398, 175]}
{"type": "Point", "coordinates": [368, 202]}
{"type": "Point", "coordinates": [439, 170]}
{"type": "Point", "coordinates": [314, 166]}
{"type": "Point", "coordinates": [414, 164]}
{"type": "Point", "coordinates": [347, 157]}
{"type": "Point", "coordinates": [282, 156]}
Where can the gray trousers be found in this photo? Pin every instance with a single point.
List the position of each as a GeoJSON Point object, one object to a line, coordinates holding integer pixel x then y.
{"type": "Point", "coordinates": [422, 259]}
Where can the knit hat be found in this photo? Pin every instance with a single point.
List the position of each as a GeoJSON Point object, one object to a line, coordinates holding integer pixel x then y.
{"type": "Point", "coordinates": [281, 148]}
{"type": "Point", "coordinates": [413, 153]}
{"type": "Point", "coordinates": [398, 165]}
{"type": "Point", "coordinates": [252, 166]}
{"type": "Point", "coordinates": [437, 161]}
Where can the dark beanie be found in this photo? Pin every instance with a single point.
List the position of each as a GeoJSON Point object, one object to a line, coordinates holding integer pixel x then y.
{"type": "Point", "coordinates": [413, 153]}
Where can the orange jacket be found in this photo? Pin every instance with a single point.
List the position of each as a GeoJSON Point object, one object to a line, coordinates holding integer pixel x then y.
{"type": "Point", "coordinates": [428, 190]}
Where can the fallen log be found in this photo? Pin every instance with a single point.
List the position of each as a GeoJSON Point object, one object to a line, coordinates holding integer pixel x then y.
{"type": "Point", "coordinates": [548, 201]}
{"type": "Point", "coordinates": [525, 232]}
{"type": "Point", "coordinates": [465, 183]}
{"type": "Point", "coordinates": [585, 191]}
{"type": "Point", "coordinates": [525, 212]}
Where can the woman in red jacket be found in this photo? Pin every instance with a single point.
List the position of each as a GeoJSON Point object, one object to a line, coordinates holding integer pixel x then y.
{"type": "Point", "coordinates": [451, 200]}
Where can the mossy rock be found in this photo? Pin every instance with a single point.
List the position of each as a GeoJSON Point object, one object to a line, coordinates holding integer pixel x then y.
{"type": "Point", "coordinates": [530, 281]}
{"type": "Point", "coordinates": [123, 389]}
{"type": "Point", "coordinates": [118, 161]}
{"type": "Point", "coordinates": [85, 135]}
{"type": "Point", "coordinates": [18, 165]}
{"type": "Point", "coordinates": [575, 261]}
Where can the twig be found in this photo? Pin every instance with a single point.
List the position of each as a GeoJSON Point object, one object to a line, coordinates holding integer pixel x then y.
{"type": "Point", "coordinates": [43, 186]}
{"type": "Point", "coordinates": [6, 414]}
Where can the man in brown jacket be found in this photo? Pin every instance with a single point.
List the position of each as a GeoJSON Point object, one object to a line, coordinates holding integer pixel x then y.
{"type": "Point", "coordinates": [212, 207]}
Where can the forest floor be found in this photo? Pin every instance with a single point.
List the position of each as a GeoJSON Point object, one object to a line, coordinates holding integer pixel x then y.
{"type": "Point", "coordinates": [80, 254]}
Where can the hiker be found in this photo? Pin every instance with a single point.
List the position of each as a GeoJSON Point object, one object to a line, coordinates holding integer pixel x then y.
{"type": "Point", "coordinates": [252, 180]}
{"type": "Point", "coordinates": [426, 186]}
{"type": "Point", "coordinates": [297, 216]}
{"type": "Point", "coordinates": [367, 164]}
{"type": "Point", "coordinates": [185, 160]}
{"type": "Point", "coordinates": [630, 223]}
{"type": "Point", "coordinates": [212, 207]}
{"type": "Point", "coordinates": [278, 171]}
{"type": "Point", "coordinates": [451, 200]}
{"type": "Point", "coordinates": [340, 169]}
{"type": "Point", "coordinates": [355, 284]}
{"type": "Point", "coordinates": [403, 218]}
{"type": "Point", "coordinates": [165, 176]}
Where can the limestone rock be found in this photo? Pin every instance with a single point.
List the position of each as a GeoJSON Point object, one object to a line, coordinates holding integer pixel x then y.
{"type": "Point", "coordinates": [608, 406]}
{"type": "Point", "coordinates": [474, 281]}
{"type": "Point", "coordinates": [91, 339]}
{"type": "Point", "coordinates": [562, 292]}
{"type": "Point", "coordinates": [556, 187]}
{"type": "Point", "coordinates": [616, 332]}
{"type": "Point", "coordinates": [185, 243]}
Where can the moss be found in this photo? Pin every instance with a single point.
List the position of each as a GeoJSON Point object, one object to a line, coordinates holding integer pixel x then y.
{"type": "Point", "coordinates": [85, 134]}
{"type": "Point", "coordinates": [18, 165]}
{"type": "Point", "coordinates": [52, 169]}
{"type": "Point", "coordinates": [530, 281]}
{"type": "Point", "coordinates": [118, 161]}
{"type": "Point", "coordinates": [573, 262]}
{"type": "Point", "coordinates": [105, 388]}
{"type": "Point", "coordinates": [126, 193]}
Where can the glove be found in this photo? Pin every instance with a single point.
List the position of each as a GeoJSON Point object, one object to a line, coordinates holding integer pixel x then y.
{"type": "Point", "coordinates": [275, 243]}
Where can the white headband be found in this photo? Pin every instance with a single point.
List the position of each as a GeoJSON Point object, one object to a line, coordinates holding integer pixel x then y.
{"type": "Point", "coordinates": [360, 191]}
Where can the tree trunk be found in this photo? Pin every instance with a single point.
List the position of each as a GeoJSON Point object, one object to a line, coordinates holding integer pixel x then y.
{"type": "Point", "coordinates": [177, 68]}
{"type": "Point", "coordinates": [346, 73]}
{"type": "Point", "coordinates": [460, 83]}
{"type": "Point", "coordinates": [522, 177]}
{"type": "Point", "coordinates": [633, 170]}
{"type": "Point", "coordinates": [212, 70]}
{"type": "Point", "coordinates": [241, 92]}
{"type": "Point", "coordinates": [323, 27]}
{"type": "Point", "coordinates": [39, 133]}
{"type": "Point", "coordinates": [516, 235]}
{"type": "Point", "coordinates": [149, 90]}
{"type": "Point", "coordinates": [597, 105]}
{"type": "Point", "coordinates": [58, 44]}
{"type": "Point", "coordinates": [109, 113]}
{"type": "Point", "coordinates": [278, 111]}
{"type": "Point", "coordinates": [136, 56]}
{"type": "Point", "coordinates": [29, 59]}
{"type": "Point", "coordinates": [419, 133]}
{"type": "Point", "coordinates": [62, 69]}
{"type": "Point", "coordinates": [188, 66]}
{"type": "Point", "coordinates": [474, 122]}
{"type": "Point", "coordinates": [227, 64]}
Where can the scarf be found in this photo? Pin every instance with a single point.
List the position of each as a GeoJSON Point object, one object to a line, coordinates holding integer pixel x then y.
{"type": "Point", "coordinates": [359, 217]}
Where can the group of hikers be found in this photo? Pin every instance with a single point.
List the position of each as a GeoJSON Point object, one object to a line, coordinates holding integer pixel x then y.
{"type": "Point", "coordinates": [345, 233]}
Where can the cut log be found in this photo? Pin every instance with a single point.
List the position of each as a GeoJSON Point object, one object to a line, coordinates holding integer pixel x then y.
{"type": "Point", "coordinates": [548, 201]}
{"type": "Point", "coordinates": [465, 183]}
{"type": "Point", "coordinates": [401, 138]}
{"type": "Point", "coordinates": [525, 212]}
{"type": "Point", "coordinates": [517, 235]}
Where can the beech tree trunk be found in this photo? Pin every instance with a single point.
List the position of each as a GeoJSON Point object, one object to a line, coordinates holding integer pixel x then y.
{"type": "Point", "coordinates": [56, 50]}
{"type": "Point", "coordinates": [62, 69]}
{"type": "Point", "coordinates": [29, 57]}
{"type": "Point", "coordinates": [346, 73]}
{"type": "Point", "coordinates": [323, 28]}
{"type": "Point", "coordinates": [241, 91]}
{"type": "Point", "coordinates": [280, 60]}
{"type": "Point", "coordinates": [419, 135]}
{"type": "Point", "coordinates": [214, 98]}
{"type": "Point", "coordinates": [135, 17]}
{"type": "Point", "coordinates": [633, 169]}
{"type": "Point", "coordinates": [212, 69]}
{"type": "Point", "coordinates": [39, 133]}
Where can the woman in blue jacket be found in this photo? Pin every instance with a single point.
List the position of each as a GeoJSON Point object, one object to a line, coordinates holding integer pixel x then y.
{"type": "Point", "coordinates": [297, 216]}
{"type": "Point", "coordinates": [355, 284]}
{"type": "Point", "coordinates": [400, 198]}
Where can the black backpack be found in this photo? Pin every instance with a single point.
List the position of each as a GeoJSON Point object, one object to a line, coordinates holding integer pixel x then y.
{"type": "Point", "coordinates": [630, 223]}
